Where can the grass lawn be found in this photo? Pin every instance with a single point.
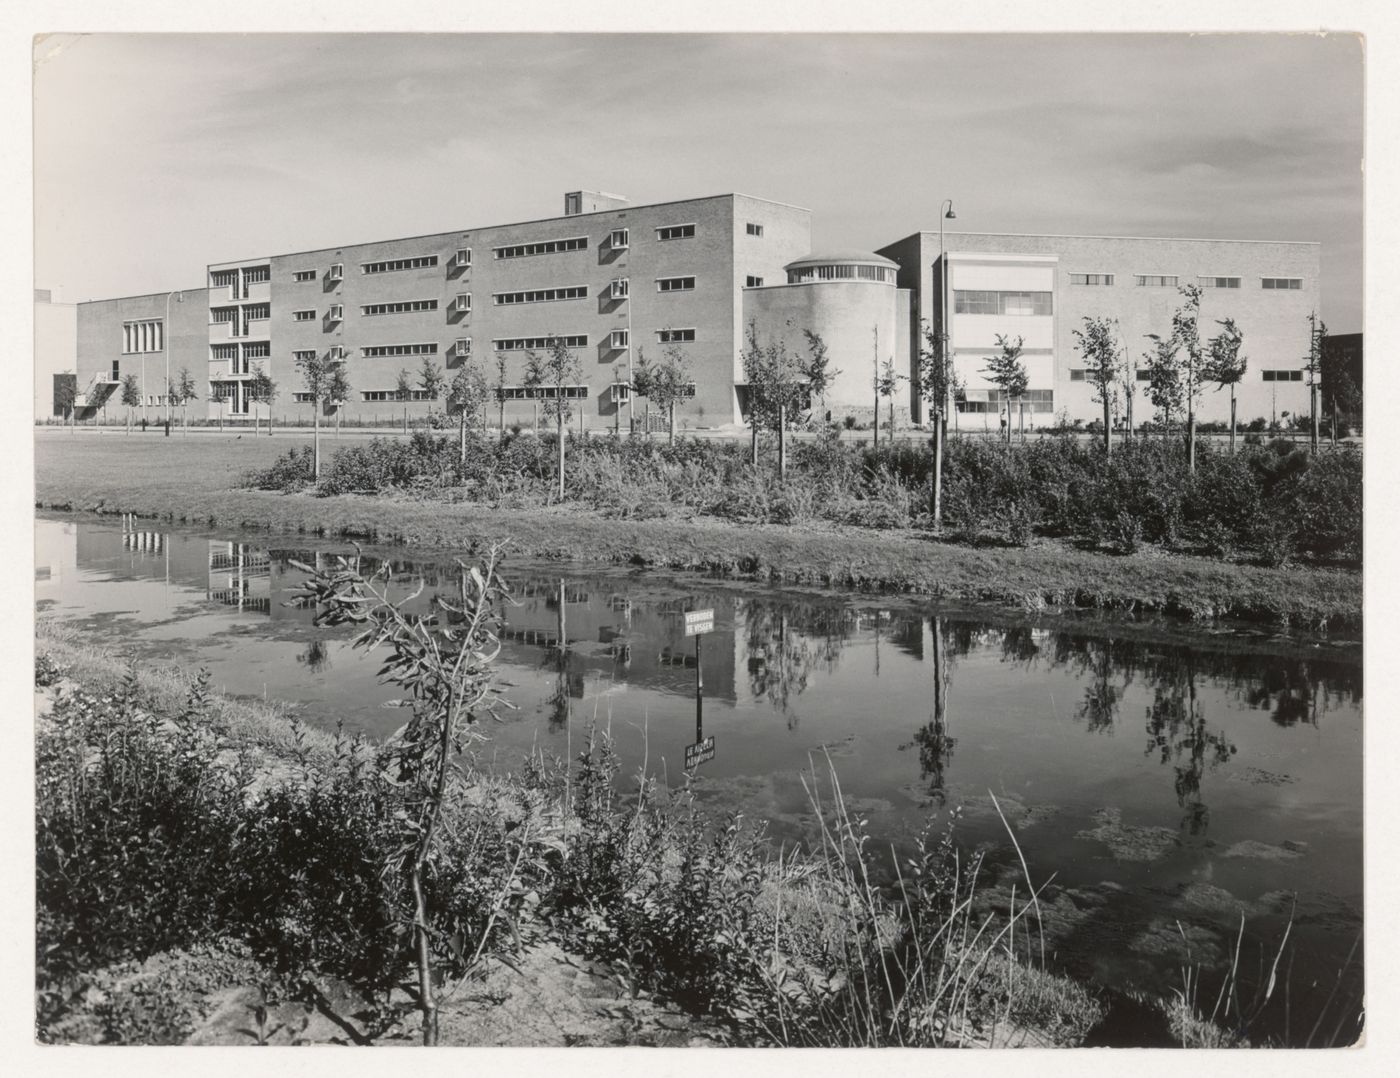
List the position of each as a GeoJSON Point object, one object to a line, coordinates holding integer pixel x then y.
{"type": "Point", "coordinates": [190, 479]}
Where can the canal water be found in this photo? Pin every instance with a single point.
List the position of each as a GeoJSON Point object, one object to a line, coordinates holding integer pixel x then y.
{"type": "Point", "coordinates": [1170, 787]}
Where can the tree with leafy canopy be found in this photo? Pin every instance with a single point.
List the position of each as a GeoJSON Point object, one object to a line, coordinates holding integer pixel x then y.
{"type": "Point", "coordinates": [1226, 366]}
{"type": "Point", "coordinates": [1008, 373]}
{"type": "Point", "coordinates": [316, 372]}
{"type": "Point", "coordinates": [403, 390]}
{"type": "Point", "coordinates": [887, 385]}
{"type": "Point", "coordinates": [65, 396]}
{"type": "Point", "coordinates": [1317, 348]}
{"type": "Point", "coordinates": [431, 381]}
{"type": "Point", "coordinates": [263, 390]}
{"type": "Point", "coordinates": [338, 391]}
{"type": "Point", "coordinates": [1163, 377]}
{"type": "Point", "coordinates": [501, 387]}
{"type": "Point", "coordinates": [467, 396]}
{"type": "Point", "coordinates": [442, 662]}
{"type": "Point", "coordinates": [549, 377]}
{"type": "Point", "coordinates": [130, 396]}
{"type": "Point", "coordinates": [666, 383]}
{"type": "Point", "coordinates": [938, 385]}
{"type": "Point", "coordinates": [1098, 344]}
{"type": "Point", "coordinates": [183, 390]}
{"type": "Point", "coordinates": [1191, 361]}
{"type": "Point", "coordinates": [782, 383]}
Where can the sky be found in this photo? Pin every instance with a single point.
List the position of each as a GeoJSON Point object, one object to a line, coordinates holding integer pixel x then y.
{"type": "Point", "coordinates": [157, 154]}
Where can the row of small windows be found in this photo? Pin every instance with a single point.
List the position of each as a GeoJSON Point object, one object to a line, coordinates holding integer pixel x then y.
{"type": "Point", "coordinates": [1081, 374]}
{"type": "Point", "coordinates": [618, 339]}
{"type": "Point", "coordinates": [544, 295]}
{"type": "Point", "coordinates": [675, 232]}
{"type": "Point", "coordinates": [394, 265]}
{"type": "Point", "coordinates": [1028, 303]}
{"type": "Point", "coordinates": [675, 284]}
{"type": "Point", "coordinates": [253, 312]}
{"type": "Point", "coordinates": [250, 350]}
{"type": "Point", "coordinates": [547, 247]}
{"type": "Point", "coordinates": [381, 395]}
{"type": "Point", "coordinates": [403, 307]}
{"type": "Point", "coordinates": [526, 344]}
{"type": "Point", "coordinates": [884, 274]}
{"type": "Point", "coordinates": [1149, 280]}
{"type": "Point", "coordinates": [370, 351]}
{"type": "Point", "coordinates": [143, 336]}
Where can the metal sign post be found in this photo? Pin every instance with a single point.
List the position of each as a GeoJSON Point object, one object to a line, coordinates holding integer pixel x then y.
{"type": "Point", "coordinates": [697, 623]}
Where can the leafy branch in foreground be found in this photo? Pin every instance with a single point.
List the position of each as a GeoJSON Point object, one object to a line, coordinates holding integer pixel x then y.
{"type": "Point", "coordinates": [442, 660]}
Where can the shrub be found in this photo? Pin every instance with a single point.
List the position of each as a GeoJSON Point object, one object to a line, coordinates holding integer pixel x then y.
{"type": "Point", "coordinates": [289, 472]}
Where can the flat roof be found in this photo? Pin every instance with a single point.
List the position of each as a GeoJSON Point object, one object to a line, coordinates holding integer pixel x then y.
{"type": "Point", "coordinates": [145, 295]}
{"type": "Point", "coordinates": [513, 224]}
{"type": "Point", "coordinates": [1094, 236]}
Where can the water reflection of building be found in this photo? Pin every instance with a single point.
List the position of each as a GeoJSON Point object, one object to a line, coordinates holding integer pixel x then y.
{"type": "Point", "coordinates": [240, 575]}
{"type": "Point", "coordinates": [55, 551]}
{"type": "Point", "coordinates": [617, 638]}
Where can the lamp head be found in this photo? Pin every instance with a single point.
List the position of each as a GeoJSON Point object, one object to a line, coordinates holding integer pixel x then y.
{"type": "Point", "coordinates": [950, 214]}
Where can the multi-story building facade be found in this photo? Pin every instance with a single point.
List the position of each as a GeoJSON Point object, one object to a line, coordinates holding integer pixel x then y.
{"type": "Point", "coordinates": [1039, 290]}
{"type": "Point", "coordinates": [145, 336]}
{"type": "Point", "coordinates": [615, 281]}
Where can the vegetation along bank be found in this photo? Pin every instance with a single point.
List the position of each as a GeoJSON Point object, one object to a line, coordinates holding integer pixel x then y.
{"type": "Point", "coordinates": [1268, 534]}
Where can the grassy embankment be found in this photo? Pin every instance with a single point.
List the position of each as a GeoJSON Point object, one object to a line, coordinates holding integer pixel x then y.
{"type": "Point", "coordinates": [170, 886]}
{"type": "Point", "coordinates": [192, 480]}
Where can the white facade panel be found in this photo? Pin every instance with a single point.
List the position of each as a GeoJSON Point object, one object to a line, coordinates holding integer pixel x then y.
{"type": "Point", "coordinates": [980, 330]}
{"type": "Point", "coordinates": [979, 278]}
{"type": "Point", "coordinates": [1040, 370]}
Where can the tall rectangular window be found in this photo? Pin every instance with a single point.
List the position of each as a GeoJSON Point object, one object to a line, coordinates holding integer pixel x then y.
{"type": "Point", "coordinates": [148, 336]}
{"type": "Point", "coordinates": [675, 284]}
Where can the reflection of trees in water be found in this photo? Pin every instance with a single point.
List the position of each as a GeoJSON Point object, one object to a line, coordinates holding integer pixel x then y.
{"type": "Point", "coordinates": [1178, 734]}
{"type": "Point", "coordinates": [316, 657]}
{"type": "Point", "coordinates": [786, 643]}
{"type": "Point", "coordinates": [933, 740]}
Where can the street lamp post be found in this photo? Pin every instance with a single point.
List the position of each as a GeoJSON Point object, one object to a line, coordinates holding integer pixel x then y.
{"type": "Point", "coordinates": [165, 347]}
{"type": "Point", "coordinates": [940, 424]}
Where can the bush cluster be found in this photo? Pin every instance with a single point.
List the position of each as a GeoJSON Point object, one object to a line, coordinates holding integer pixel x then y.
{"type": "Point", "coordinates": [153, 836]}
{"type": "Point", "coordinates": [1269, 501]}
